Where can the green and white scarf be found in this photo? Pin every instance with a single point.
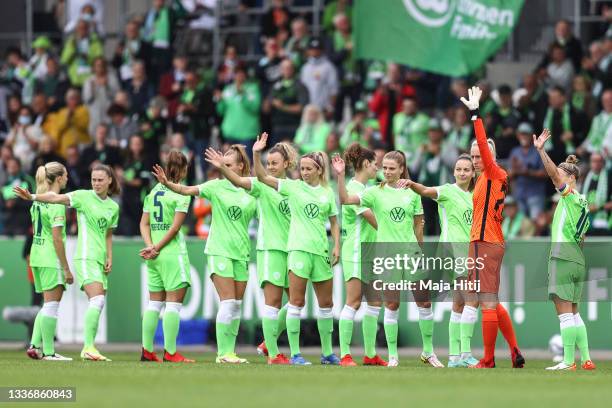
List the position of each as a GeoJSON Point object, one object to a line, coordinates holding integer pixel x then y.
{"type": "Point", "coordinates": [566, 124]}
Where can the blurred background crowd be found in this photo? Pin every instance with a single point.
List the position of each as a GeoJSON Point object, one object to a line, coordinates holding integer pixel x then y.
{"type": "Point", "coordinates": [81, 98]}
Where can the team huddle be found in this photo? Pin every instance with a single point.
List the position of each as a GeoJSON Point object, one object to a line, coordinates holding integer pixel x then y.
{"type": "Point", "coordinates": [293, 247]}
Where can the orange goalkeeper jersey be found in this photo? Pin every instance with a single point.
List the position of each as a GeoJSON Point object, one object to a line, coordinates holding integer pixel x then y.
{"type": "Point", "coordinates": [489, 194]}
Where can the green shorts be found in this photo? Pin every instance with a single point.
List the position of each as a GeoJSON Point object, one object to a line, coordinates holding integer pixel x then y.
{"type": "Point", "coordinates": [168, 273]}
{"type": "Point", "coordinates": [47, 278]}
{"type": "Point", "coordinates": [272, 268]}
{"type": "Point", "coordinates": [565, 279]}
{"type": "Point", "coordinates": [307, 265]}
{"type": "Point", "coordinates": [228, 268]}
{"type": "Point", "coordinates": [351, 270]}
{"type": "Point", "coordinates": [88, 271]}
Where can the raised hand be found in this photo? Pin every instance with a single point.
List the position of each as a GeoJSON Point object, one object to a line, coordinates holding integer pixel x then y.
{"type": "Point", "coordinates": [160, 174]}
{"type": "Point", "coordinates": [540, 141]}
{"type": "Point", "coordinates": [22, 193]}
{"type": "Point", "coordinates": [473, 100]}
{"type": "Point", "coordinates": [213, 157]}
{"type": "Point", "coordinates": [338, 164]}
{"type": "Point", "coordinates": [260, 143]}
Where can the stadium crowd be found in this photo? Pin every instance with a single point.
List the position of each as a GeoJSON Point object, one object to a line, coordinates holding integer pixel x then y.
{"type": "Point", "coordinates": [73, 103]}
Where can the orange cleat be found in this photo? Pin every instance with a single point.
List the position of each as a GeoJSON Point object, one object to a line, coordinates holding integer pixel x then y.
{"type": "Point", "coordinates": [588, 365]}
{"type": "Point", "coordinates": [149, 356]}
{"type": "Point", "coordinates": [374, 361]}
{"type": "Point", "coordinates": [262, 350]}
{"type": "Point", "coordinates": [280, 359]}
{"type": "Point", "coordinates": [347, 361]}
{"type": "Point", "coordinates": [176, 358]}
{"type": "Point", "coordinates": [484, 364]}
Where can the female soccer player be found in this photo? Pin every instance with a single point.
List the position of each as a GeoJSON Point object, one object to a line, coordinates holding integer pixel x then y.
{"type": "Point", "coordinates": [48, 260]}
{"type": "Point", "coordinates": [566, 266]}
{"type": "Point", "coordinates": [358, 225]}
{"type": "Point", "coordinates": [455, 209]}
{"type": "Point", "coordinates": [399, 215]}
{"type": "Point", "coordinates": [274, 215]}
{"type": "Point", "coordinates": [168, 267]}
{"type": "Point", "coordinates": [228, 246]}
{"type": "Point", "coordinates": [311, 203]}
{"type": "Point", "coordinates": [97, 216]}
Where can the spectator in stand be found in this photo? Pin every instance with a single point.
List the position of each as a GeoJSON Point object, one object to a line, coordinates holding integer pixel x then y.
{"type": "Point", "coordinates": [320, 78]}
{"type": "Point", "coordinates": [122, 99]}
{"type": "Point", "coordinates": [387, 101]}
{"type": "Point", "coordinates": [38, 61]}
{"type": "Point", "coordinates": [171, 84]}
{"type": "Point", "coordinates": [531, 100]}
{"type": "Point", "coordinates": [40, 113]}
{"type": "Point", "coordinates": [268, 68]}
{"type": "Point", "coordinates": [18, 72]}
{"type": "Point", "coordinates": [277, 18]}
{"type": "Point", "coordinates": [347, 66]}
{"type": "Point", "coordinates": [239, 105]}
{"type": "Point", "coordinates": [139, 89]}
{"type": "Point", "coordinates": [598, 66]}
{"type": "Point", "coordinates": [527, 174]}
{"type": "Point", "coordinates": [410, 128]}
{"type": "Point", "coordinates": [6, 153]}
{"type": "Point", "coordinates": [459, 86]}
{"type": "Point", "coordinates": [285, 102]}
{"type": "Point", "coordinates": [582, 96]}
{"type": "Point", "coordinates": [566, 125]}
{"type": "Point", "coordinates": [597, 188]}
{"type": "Point", "coordinates": [460, 134]}
{"type": "Point", "coordinates": [24, 137]}
{"type": "Point", "coordinates": [80, 50]}
{"type": "Point", "coordinates": [46, 153]}
{"type": "Point", "coordinates": [516, 224]}
{"type": "Point", "coordinates": [560, 70]}
{"type": "Point", "coordinates": [53, 85]}
{"type": "Point", "coordinates": [600, 127]}
{"type": "Point", "coordinates": [313, 132]}
{"type": "Point", "coordinates": [98, 92]}
{"type": "Point", "coordinates": [100, 151]}
{"type": "Point", "coordinates": [121, 126]}
{"type": "Point", "coordinates": [227, 68]}
{"type": "Point", "coordinates": [543, 222]}
{"type": "Point", "coordinates": [154, 127]}
{"type": "Point", "coordinates": [158, 31]}
{"type": "Point", "coordinates": [570, 45]}
{"type": "Point", "coordinates": [91, 11]}
{"type": "Point", "coordinates": [334, 8]}
{"type": "Point", "coordinates": [130, 49]}
{"type": "Point", "coordinates": [297, 45]}
{"type": "Point", "coordinates": [78, 174]}
{"type": "Point", "coordinates": [15, 212]}
{"type": "Point", "coordinates": [356, 129]}
{"type": "Point", "coordinates": [136, 179]}
{"type": "Point", "coordinates": [502, 123]}
{"type": "Point", "coordinates": [70, 124]}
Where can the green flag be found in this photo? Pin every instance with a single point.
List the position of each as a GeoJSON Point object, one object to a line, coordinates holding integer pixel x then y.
{"type": "Point", "coordinates": [450, 37]}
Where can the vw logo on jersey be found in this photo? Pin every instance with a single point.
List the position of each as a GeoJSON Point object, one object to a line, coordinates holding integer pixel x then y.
{"type": "Point", "coordinates": [234, 212]}
{"type": "Point", "coordinates": [102, 224]}
{"type": "Point", "coordinates": [283, 207]}
{"type": "Point", "coordinates": [431, 13]}
{"type": "Point", "coordinates": [311, 210]}
{"type": "Point", "coordinates": [397, 214]}
{"type": "Point", "coordinates": [467, 216]}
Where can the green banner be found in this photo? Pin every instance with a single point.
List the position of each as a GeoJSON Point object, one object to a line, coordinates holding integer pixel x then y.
{"type": "Point", "coordinates": [450, 37]}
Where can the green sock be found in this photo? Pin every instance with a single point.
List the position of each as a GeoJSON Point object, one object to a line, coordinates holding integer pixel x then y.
{"type": "Point", "coordinates": [48, 325]}
{"type": "Point", "coordinates": [232, 335]}
{"type": "Point", "coordinates": [369, 326]}
{"type": "Point", "coordinates": [92, 317]}
{"type": "Point", "coordinates": [346, 334]}
{"type": "Point", "coordinates": [170, 323]}
{"type": "Point", "coordinates": [426, 327]}
{"type": "Point", "coordinates": [222, 331]}
{"type": "Point", "coordinates": [467, 331]}
{"type": "Point", "coordinates": [454, 338]}
{"type": "Point", "coordinates": [326, 328]}
{"type": "Point", "coordinates": [293, 334]}
{"type": "Point", "coordinates": [282, 321]}
{"type": "Point", "coordinates": [568, 335]}
{"type": "Point", "coordinates": [582, 341]}
{"type": "Point", "coordinates": [149, 324]}
{"type": "Point", "coordinates": [36, 340]}
{"type": "Point", "coordinates": [391, 335]}
{"type": "Point", "coordinates": [270, 330]}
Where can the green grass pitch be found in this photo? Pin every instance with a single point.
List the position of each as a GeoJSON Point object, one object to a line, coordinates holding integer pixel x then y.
{"type": "Point", "coordinates": [125, 382]}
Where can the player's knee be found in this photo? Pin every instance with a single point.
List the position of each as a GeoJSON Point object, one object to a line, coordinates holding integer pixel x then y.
{"type": "Point", "coordinates": [298, 302]}
{"type": "Point", "coordinates": [425, 305]}
{"type": "Point", "coordinates": [392, 305]}
{"type": "Point", "coordinates": [354, 303]}
{"type": "Point", "coordinates": [326, 303]}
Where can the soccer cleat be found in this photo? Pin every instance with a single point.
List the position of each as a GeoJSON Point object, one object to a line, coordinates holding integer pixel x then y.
{"type": "Point", "coordinates": [562, 367]}
{"type": "Point", "coordinates": [34, 353]}
{"type": "Point", "coordinates": [299, 360]}
{"type": "Point", "coordinates": [56, 357]}
{"type": "Point", "coordinates": [280, 359]}
{"type": "Point", "coordinates": [588, 365]}
{"type": "Point", "coordinates": [374, 361]}
{"type": "Point", "coordinates": [455, 363]}
{"type": "Point", "coordinates": [393, 362]}
{"type": "Point", "coordinates": [468, 361]}
{"type": "Point", "coordinates": [332, 359]}
{"type": "Point", "coordinates": [149, 356]}
{"type": "Point", "coordinates": [432, 360]}
{"type": "Point", "coordinates": [518, 361]}
{"type": "Point", "coordinates": [176, 358]}
{"type": "Point", "coordinates": [484, 364]}
{"type": "Point", "coordinates": [92, 354]}
{"type": "Point", "coordinates": [230, 358]}
{"type": "Point", "coordinates": [347, 361]}
{"type": "Point", "coordinates": [262, 350]}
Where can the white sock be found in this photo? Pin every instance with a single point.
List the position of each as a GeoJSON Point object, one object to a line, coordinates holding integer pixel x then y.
{"type": "Point", "coordinates": [225, 312]}
{"type": "Point", "coordinates": [155, 305]}
{"type": "Point", "coordinates": [578, 320]}
{"type": "Point", "coordinates": [270, 312]}
{"type": "Point", "coordinates": [455, 317]}
{"type": "Point", "coordinates": [97, 302]}
{"type": "Point", "coordinates": [237, 309]}
{"type": "Point", "coordinates": [391, 316]}
{"type": "Point", "coordinates": [348, 313]}
{"type": "Point", "coordinates": [173, 307]}
{"type": "Point", "coordinates": [293, 311]}
{"type": "Point", "coordinates": [469, 315]}
{"type": "Point", "coordinates": [325, 313]}
{"type": "Point", "coordinates": [373, 311]}
{"type": "Point", "coordinates": [425, 313]}
{"type": "Point", "coordinates": [50, 309]}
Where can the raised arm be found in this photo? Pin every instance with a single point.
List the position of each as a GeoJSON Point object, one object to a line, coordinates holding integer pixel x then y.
{"type": "Point", "coordinates": [549, 165]}
{"type": "Point", "coordinates": [160, 175]}
{"type": "Point", "coordinates": [420, 189]}
{"type": "Point", "coordinates": [48, 197]}
{"type": "Point", "coordinates": [216, 159]}
{"type": "Point", "coordinates": [345, 198]}
{"type": "Point", "coordinates": [260, 172]}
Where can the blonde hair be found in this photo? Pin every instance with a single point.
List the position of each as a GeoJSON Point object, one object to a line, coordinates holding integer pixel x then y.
{"type": "Point", "coordinates": [570, 166]}
{"type": "Point", "coordinates": [491, 144]}
{"type": "Point", "coordinates": [242, 157]}
{"type": "Point", "coordinates": [47, 175]}
{"type": "Point", "coordinates": [321, 161]}
{"type": "Point", "coordinates": [288, 152]}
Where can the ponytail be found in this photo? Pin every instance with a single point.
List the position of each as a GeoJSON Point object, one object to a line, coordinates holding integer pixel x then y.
{"type": "Point", "coordinates": [321, 161]}
{"type": "Point", "coordinates": [356, 154]}
{"type": "Point", "coordinates": [570, 166]}
{"type": "Point", "coordinates": [242, 157]}
{"type": "Point", "coordinates": [47, 174]}
{"type": "Point", "coordinates": [176, 166]}
{"type": "Point", "coordinates": [288, 152]}
{"type": "Point", "coordinates": [400, 158]}
{"type": "Point", "coordinates": [114, 188]}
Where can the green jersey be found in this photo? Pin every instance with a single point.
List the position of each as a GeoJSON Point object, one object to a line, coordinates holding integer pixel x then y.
{"type": "Point", "coordinates": [161, 204]}
{"type": "Point", "coordinates": [233, 209]}
{"type": "Point", "coordinates": [274, 215]}
{"type": "Point", "coordinates": [310, 209]}
{"type": "Point", "coordinates": [570, 222]}
{"type": "Point", "coordinates": [45, 217]}
{"type": "Point", "coordinates": [95, 217]}
{"type": "Point", "coordinates": [455, 210]}
{"type": "Point", "coordinates": [355, 228]}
